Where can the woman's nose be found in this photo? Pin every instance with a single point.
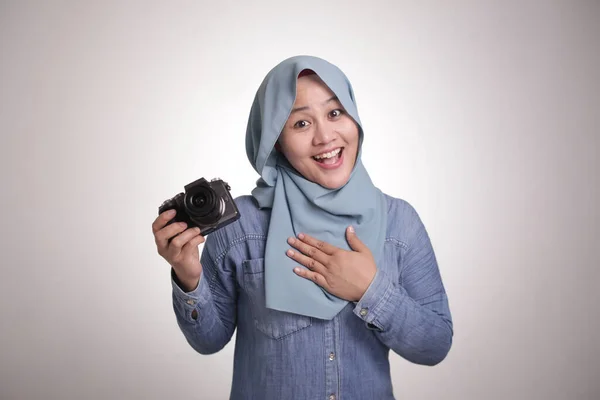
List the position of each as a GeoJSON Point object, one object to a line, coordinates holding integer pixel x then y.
{"type": "Point", "coordinates": [324, 133]}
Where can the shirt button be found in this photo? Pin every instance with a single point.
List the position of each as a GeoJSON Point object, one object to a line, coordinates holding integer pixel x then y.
{"type": "Point", "coordinates": [332, 397]}
{"type": "Point", "coordinates": [331, 356]}
{"type": "Point", "coordinates": [364, 312]}
{"type": "Point", "coordinates": [190, 302]}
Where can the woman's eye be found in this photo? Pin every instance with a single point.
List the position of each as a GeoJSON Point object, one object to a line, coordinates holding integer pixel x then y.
{"type": "Point", "coordinates": [335, 113]}
{"type": "Point", "coordinates": [301, 124]}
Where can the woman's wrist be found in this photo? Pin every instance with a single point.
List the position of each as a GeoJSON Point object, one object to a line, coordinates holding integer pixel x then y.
{"type": "Point", "coordinates": [187, 285]}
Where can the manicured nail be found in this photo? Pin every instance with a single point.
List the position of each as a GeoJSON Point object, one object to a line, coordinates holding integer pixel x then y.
{"type": "Point", "coordinates": [290, 253]}
{"type": "Point", "coordinates": [351, 229]}
{"type": "Point", "coordinates": [297, 270]}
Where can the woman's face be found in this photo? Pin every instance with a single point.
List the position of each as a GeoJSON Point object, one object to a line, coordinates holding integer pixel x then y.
{"type": "Point", "coordinates": [319, 139]}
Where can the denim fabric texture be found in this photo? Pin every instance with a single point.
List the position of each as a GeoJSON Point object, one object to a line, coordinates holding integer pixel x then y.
{"type": "Point", "coordinates": [280, 355]}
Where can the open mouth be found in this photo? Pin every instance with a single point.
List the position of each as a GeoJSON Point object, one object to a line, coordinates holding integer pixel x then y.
{"type": "Point", "coordinates": [331, 158]}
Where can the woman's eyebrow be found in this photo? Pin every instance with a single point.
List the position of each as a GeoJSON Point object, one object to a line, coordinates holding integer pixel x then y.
{"type": "Point", "coordinates": [308, 107]}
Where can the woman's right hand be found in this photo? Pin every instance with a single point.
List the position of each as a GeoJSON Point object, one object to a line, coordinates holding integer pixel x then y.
{"type": "Point", "coordinates": [182, 251]}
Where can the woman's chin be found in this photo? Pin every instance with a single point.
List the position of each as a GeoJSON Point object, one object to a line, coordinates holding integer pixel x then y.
{"type": "Point", "coordinates": [333, 183]}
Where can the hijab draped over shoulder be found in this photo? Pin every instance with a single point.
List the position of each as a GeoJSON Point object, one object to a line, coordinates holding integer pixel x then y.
{"type": "Point", "coordinates": [299, 205]}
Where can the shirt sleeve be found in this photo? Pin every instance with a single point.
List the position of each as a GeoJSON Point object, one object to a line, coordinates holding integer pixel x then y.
{"type": "Point", "coordinates": [412, 317]}
{"type": "Point", "coordinates": [207, 315]}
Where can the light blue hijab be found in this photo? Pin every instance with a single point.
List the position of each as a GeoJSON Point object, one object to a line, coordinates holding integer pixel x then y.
{"type": "Point", "coordinates": [299, 205]}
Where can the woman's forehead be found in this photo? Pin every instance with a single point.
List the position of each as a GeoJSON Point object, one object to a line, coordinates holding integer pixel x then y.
{"type": "Point", "coordinates": [313, 96]}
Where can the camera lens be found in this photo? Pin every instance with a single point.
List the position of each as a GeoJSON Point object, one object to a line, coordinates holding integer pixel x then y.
{"type": "Point", "coordinates": [199, 200]}
{"type": "Point", "coordinates": [202, 201]}
{"type": "Point", "coordinates": [204, 204]}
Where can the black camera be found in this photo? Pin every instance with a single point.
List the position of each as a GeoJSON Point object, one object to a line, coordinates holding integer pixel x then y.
{"type": "Point", "coordinates": [207, 205]}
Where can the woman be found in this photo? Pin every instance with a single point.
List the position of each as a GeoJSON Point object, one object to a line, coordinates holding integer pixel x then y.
{"type": "Point", "coordinates": [323, 274]}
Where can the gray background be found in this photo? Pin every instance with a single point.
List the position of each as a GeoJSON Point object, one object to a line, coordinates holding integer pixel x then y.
{"type": "Point", "coordinates": [485, 116]}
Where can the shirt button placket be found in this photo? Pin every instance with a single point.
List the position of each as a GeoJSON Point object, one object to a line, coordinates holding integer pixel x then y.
{"type": "Point", "coordinates": [331, 366]}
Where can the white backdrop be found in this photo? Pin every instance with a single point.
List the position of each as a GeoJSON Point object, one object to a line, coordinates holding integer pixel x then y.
{"type": "Point", "coordinates": [485, 116]}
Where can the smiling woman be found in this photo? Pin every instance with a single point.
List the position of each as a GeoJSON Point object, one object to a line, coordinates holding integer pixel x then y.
{"type": "Point", "coordinates": [323, 274]}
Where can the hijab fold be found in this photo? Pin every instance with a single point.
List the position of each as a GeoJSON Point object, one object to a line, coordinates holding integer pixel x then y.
{"type": "Point", "coordinates": [299, 205]}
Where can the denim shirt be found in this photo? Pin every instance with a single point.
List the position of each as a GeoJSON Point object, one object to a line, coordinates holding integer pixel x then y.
{"type": "Point", "coordinates": [287, 356]}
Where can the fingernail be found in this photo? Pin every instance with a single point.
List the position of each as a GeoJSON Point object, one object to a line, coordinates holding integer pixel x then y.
{"type": "Point", "coordinates": [171, 212]}
{"type": "Point", "coordinates": [300, 236]}
{"type": "Point", "coordinates": [290, 253]}
{"type": "Point", "coordinates": [297, 270]}
{"type": "Point", "coordinates": [197, 230]}
{"type": "Point", "coordinates": [291, 240]}
{"type": "Point", "coordinates": [351, 229]}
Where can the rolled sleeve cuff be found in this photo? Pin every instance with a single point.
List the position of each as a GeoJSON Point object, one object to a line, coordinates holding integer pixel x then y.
{"type": "Point", "coordinates": [370, 307]}
{"type": "Point", "coordinates": [187, 302]}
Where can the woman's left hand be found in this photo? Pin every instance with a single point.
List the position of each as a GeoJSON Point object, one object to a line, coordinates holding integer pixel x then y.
{"type": "Point", "coordinates": [345, 274]}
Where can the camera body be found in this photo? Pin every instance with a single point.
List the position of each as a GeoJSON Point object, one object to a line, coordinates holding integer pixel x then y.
{"type": "Point", "coordinates": [204, 204]}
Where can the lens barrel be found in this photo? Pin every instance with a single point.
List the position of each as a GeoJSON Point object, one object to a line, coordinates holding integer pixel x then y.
{"type": "Point", "coordinates": [204, 205]}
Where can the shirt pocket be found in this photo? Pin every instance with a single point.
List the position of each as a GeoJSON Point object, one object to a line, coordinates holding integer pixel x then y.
{"type": "Point", "coordinates": [273, 323]}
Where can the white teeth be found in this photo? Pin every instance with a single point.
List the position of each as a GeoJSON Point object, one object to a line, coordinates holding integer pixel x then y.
{"type": "Point", "coordinates": [328, 155]}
